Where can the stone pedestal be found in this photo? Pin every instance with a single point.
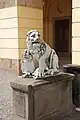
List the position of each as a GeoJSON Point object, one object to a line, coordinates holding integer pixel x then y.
{"type": "Point", "coordinates": [43, 99]}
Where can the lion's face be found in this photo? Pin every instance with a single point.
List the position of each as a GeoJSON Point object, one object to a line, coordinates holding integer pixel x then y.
{"type": "Point", "coordinates": [33, 36]}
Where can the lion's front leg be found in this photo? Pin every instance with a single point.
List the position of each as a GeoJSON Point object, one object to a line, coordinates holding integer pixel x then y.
{"type": "Point", "coordinates": [42, 67]}
{"type": "Point", "coordinates": [55, 66]}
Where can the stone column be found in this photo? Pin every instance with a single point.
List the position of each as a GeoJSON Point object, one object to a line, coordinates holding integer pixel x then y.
{"type": "Point", "coordinates": [76, 32]}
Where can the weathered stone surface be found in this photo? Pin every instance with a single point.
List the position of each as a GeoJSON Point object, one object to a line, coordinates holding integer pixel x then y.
{"type": "Point", "coordinates": [43, 99]}
{"type": "Point", "coordinates": [10, 64]}
{"type": "Point", "coordinates": [29, 3]}
{"type": "Point", "coordinates": [2, 4]}
{"type": "Point", "coordinates": [38, 50]}
{"type": "Point", "coordinates": [23, 83]}
{"type": "Point", "coordinates": [53, 99]}
{"type": "Point", "coordinates": [20, 95]}
{"type": "Point", "coordinates": [7, 3]}
{"type": "Point", "coordinates": [19, 102]}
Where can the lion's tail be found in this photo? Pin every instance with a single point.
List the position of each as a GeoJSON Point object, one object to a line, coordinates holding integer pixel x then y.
{"type": "Point", "coordinates": [55, 59]}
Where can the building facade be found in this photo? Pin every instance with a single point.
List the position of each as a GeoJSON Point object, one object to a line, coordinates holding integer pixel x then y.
{"type": "Point", "coordinates": [57, 20]}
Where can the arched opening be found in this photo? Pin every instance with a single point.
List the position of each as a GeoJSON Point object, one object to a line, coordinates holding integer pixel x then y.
{"type": "Point", "coordinates": [57, 22]}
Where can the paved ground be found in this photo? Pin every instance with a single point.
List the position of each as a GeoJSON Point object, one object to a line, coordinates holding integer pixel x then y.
{"type": "Point", "coordinates": [6, 102]}
{"type": "Point", "coordinates": [6, 105]}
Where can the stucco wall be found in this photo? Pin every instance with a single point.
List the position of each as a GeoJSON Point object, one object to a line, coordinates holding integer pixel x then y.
{"type": "Point", "coordinates": [9, 33]}
{"type": "Point", "coordinates": [28, 19]}
{"type": "Point", "coordinates": [7, 3]}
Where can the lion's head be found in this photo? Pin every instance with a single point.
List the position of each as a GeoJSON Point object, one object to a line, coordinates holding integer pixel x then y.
{"type": "Point", "coordinates": [33, 36]}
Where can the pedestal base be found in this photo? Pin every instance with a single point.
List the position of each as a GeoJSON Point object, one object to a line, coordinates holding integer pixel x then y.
{"type": "Point", "coordinates": [43, 99]}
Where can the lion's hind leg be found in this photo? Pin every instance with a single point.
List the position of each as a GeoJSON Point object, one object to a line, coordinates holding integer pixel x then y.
{"type": "Point", "coordinates": [54, 62]}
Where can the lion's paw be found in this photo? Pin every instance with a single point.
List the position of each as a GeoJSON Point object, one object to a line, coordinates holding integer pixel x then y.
{"type": "Point", "coordinates": [53, 71]}
{"type": "Point", "coordinates": [25, 75]}
{"type": "Point", "coordinates": [38, 73]}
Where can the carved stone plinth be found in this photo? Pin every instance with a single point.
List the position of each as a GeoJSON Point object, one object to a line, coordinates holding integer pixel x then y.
{"type": "Point", "coordinates": [43, 99]}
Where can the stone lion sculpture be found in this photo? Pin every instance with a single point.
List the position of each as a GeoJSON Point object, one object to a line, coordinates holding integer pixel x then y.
{"type": "Point", "coordinates": [38, 59]}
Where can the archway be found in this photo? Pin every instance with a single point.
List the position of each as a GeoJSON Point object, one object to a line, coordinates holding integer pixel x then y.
{"type": "Point", "coordinates": [57, 24]}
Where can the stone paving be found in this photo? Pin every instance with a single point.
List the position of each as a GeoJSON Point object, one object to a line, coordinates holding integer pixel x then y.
{"type": "Point", "coordinates": [6, 100]}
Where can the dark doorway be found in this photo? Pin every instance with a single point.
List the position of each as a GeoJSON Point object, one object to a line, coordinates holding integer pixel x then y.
{"type": "Point", "coordinates": [62, 35]}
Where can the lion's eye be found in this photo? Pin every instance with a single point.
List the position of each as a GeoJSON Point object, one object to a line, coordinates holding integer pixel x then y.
{"type": "Point", "coordinates": [33, 36]}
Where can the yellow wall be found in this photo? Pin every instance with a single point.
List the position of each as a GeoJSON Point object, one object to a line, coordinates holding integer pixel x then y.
{"type": "Point", "coordinates": [28, 19]}
{"type": "Point", "coordinates": [9, 33]}
{"type": "Point", "coordinates": [15, 22]}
